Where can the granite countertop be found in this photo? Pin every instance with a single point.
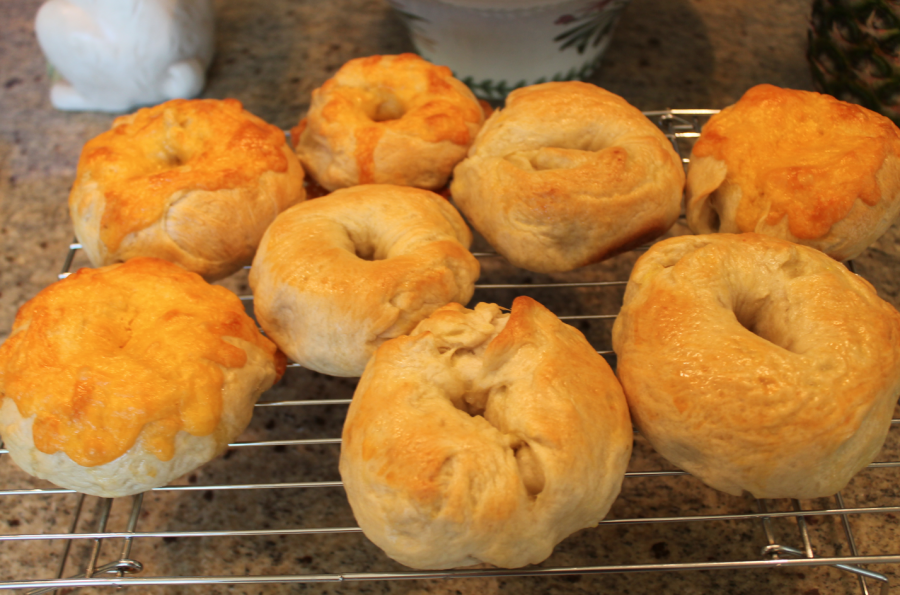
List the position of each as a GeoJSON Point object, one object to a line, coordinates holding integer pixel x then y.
{"type": "Point", "coordinates": [666, 53]}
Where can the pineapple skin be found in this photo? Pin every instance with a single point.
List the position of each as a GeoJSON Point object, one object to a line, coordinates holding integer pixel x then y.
{"type": "Point", "coordinates": [854, 52]}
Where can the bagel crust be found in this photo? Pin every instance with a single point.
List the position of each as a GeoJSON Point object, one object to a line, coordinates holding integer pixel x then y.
{"type": "Point", "coordinates": [195, 182]}
{"type": "Point", "coordinates": [336, 276]}
{"type": "Point", "coordinates": [484, 436]}
{"type": "Point", "coordinates": [799, 166]}
{"type": "Point", "coordinates": [757, 364]}
{"type": "Point", "coordinates": [118, 380]}
{"type": "Point", "coordinates": [388, 120]}
{"type": "Point", "coordinates": [568, 174]}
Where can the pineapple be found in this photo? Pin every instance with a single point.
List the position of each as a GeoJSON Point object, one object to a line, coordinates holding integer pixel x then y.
{"type": "Point", "coordinates": [854, 52]}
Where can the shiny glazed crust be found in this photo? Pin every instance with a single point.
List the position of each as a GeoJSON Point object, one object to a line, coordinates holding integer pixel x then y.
{"type": "Point", "coordinates": [484, 436]}
{"type": "Point", "coordinates": [799, 166]}
{"type": "Point", "coordinates": [757, 364]}
{"type": "Point", "coordinates": [388, 120]}
{"type": "Point", "coordinates": [195, 182]}
{"type": "Point", "coordinates": [568, 174]}
{"type": "Point", "coordinates": [336, 276]}
{"type": "Point", "coordinates": [118, 380]}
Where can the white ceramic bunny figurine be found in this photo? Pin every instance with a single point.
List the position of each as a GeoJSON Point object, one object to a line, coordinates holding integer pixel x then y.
{"type": "Point", "coordinates": [119, 54]}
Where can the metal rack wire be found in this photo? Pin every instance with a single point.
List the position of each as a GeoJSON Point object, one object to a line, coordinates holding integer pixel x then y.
{"type": "Point", "coordinates": [778, 549]}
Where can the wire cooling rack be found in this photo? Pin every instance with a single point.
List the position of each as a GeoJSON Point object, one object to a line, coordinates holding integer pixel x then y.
{"type": "Point", "coordinates": [115, 543]}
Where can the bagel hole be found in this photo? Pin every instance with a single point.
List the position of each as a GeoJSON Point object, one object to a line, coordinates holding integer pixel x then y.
{"type": "Point", "coordinates": [713, 220]}
{"type": "Point", "coordinates": [708, 215]}
{"type": "Point", "coordinates": [365, 254]}
{"type": "Point", "coordinates": [389, 108]}
{"type": "Point", "coordinates": [172, 157]}
{"type": "Point", "coordinates": [475, 403]}
{"type": "Point", "coordinates": [366, 251]}
{"type": "Point", "coordinates": [755, 317]}
{"type": "Point", "coordinates": [540, 160]}
{"type": "Point", "coordinates": [127, 334]}
{"type": "Point", "coordinates": [530, 469]}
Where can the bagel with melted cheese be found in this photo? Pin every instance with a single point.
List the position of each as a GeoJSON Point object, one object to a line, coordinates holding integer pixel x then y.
{"type": "Point", "coordinates": [757, 364]}
{"type": "Point", "coordinates": [799, 166]}
{"type": "Point", "coordinates": [387, 120]}
{"type": "Point", "coordinates": [195, 182]}
{"type": "Point", "coordinates": [120, 379]}
{"type": "Point", "coordinates": [568, 174]}
{"type": "Point", "coordinates": [336, 276]}
{"type": "Point", "coordinates": [484, 436]}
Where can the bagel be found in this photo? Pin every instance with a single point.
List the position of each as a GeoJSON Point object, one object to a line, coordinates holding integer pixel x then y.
{"type": "Point", "coordinates": [387, 120]}
{"type": "Point", "coordinates": [757, 364]}
{"type": "Point", "coordinates": [194, 182]}
{"type": "Point", "coordinates": [484, 436]}
{"type": "Point", "coordinates": [336, 276]}
{"type": "Point", "coordinates": [568, 174]}
{"type": "Point", "coordinates": [799, 166]}
{"type": "Point", "coordinates": [120, 379]}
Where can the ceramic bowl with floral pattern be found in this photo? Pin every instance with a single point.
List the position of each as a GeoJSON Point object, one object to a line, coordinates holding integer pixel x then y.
{"type": "Point", "coordinates": [495, 46]}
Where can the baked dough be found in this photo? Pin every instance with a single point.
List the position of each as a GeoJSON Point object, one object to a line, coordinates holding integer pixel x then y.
{"type": "Point", "coordinates": [484, 436]}
{"type": "Point", "coordinates": [387, 120]}
{"type": "Point", "coordinates": [568, 174]}
{"type": "Point", "coordinates": [799, 166]}
{"type": "Point", "coordinates": [336, 276]}
{"type": "Point", "coordinates": [757, 364]}
{"type": "Point", "coordinates": [195, 182]}
{"type": "Point", "coordinates": [118, 380]}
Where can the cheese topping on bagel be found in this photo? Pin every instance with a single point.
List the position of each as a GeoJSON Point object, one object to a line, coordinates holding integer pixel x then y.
{"type": "Point", "coordinates": [148, 356]}
{"type": "Point", "coordinates": [180, 145]}
{"type": "Point", "coordinates": [387, 119]}
{"type": "Point", "coordinates": [799, 155]}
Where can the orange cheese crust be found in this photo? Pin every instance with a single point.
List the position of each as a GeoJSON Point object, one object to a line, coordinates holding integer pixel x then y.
{"type": "Point", "coordinates": [388, 120]}
{"type": "Point", "coordinates": [205, 160]}
{"type": "Point", "coordinates": [143, 160]}
{"type": "Point", "coordinates": [106, 354]}
{"type": "Point", "coordinates": [796, 161]}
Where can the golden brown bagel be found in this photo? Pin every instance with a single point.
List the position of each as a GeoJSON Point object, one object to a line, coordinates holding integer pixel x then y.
{"type": "Point", "coordinates": [195, 182]}
{"type": "Point", "coordinates": [568, 174]}
{"type": "Point", "coordinates": [120, 379]}
{"type": "Point", "coordinates": [799, 166]}
{"type": "Point", "coordinates": [387, 120]}
{"type": "Point", "coordinates": [757, 364]}
{"type": "Point", "coordinates": [484, 436]}
{"type": "Point", "coordinates": [336, 276]}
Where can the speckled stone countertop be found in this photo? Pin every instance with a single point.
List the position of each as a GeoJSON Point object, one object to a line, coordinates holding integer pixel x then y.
{"type": "Point", "coordinates": [270, 55]}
